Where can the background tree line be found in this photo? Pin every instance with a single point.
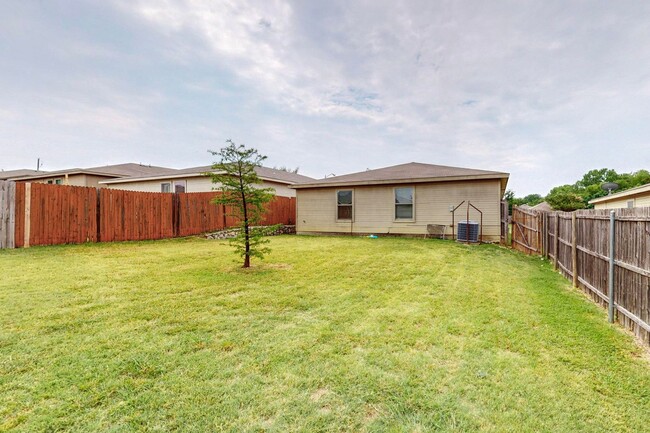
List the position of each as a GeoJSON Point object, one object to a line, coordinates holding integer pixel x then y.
{"type": "Point", "coordinates": [577, 196]}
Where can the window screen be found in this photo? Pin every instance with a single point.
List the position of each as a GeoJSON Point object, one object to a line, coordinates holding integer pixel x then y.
{"type": "Point", "coordinates": [344, 205]}
{"type": "Point", "coordinates": [404, 203]}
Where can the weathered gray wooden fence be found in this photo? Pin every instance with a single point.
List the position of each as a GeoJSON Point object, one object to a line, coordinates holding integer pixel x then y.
{"type": "Point", "coordinates": [578, 243]}
{"type": "Point", "coordinates": [7, 214]}
{"type": "Point", "coordinates": [505, 222]}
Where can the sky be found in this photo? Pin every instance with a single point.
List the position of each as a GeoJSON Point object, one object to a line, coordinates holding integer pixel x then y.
{"type": "Point", "coordinates": [543, 90]}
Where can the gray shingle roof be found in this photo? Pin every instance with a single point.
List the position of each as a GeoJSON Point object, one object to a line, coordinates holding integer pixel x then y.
{"type": "Point", "coordinates": [118, 170]}
{"type": "Point", "coordinates": [263, 172]}
{"type": "Point", "coordinates": [132, 169]}
{"type": "Point", "coordinates": [402, 173]}
{"type": "Point", "coordinates": [12, 174]}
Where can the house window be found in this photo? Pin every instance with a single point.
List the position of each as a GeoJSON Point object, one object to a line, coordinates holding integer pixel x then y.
{"type": "Point", "coordinates": [344, 205]}
{"type": "Point", "coordinates": [179, 186]}
{"type": "Point", "coordinates": [166, 187]}
{"type": "Point", "coordinates": [630, 204]}
{"type": "Point", "coordinates": [404, 203]}
{"type": "Point", "coordinates": [58, 181]}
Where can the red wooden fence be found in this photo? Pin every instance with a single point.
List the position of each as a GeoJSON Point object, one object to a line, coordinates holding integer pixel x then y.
{"type": "Point", "coordinates": [67, 214]}
{"type": "Point", "coordinates": [135, 216]}
{"type": "Point", "coordinates": [58, 214]}
{"type": "Point", "coordinates": [195, 217]}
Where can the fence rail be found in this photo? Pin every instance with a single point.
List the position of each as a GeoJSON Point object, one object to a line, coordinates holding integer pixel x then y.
{"type": "Point", "coordinates": [41, 214]}
{"type": "Point", "coordinates": [578, 244]}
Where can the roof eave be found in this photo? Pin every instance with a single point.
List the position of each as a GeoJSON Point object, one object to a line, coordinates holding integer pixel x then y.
{"type": "Point", "coordinates": [402, 181]}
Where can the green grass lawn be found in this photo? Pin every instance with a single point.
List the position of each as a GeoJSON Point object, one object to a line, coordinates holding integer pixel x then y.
{"type": "Point", "coordinates": [328, 334]}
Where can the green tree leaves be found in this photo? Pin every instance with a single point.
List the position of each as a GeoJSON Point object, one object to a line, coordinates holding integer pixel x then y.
{"type": "Point", "coordinates": [577, 196]}
{"type": "Point", "coordinates": [565, 198]}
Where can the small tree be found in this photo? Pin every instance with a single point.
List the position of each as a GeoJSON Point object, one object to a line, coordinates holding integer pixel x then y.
{"type": "Point", "coordinates": [238, 183]}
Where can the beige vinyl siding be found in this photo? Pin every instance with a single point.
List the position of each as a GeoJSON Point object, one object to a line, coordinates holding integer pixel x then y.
{"type": "Point", "coordinates": [193, 184]}
{"type": "Point", "coordinates": [374, 208]}
{"type": "Point", "coordinates": [143, 186]}
{"type": "Point", "coordinates": [640, 200]}
{"type": "Point", "coordinates": [93, 181]}
{"type": "Point", "coordinates": [75, 180]}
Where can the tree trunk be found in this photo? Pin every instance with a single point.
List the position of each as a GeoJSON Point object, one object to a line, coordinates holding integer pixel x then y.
{"type": "Point", "coordinates": [247, 257]}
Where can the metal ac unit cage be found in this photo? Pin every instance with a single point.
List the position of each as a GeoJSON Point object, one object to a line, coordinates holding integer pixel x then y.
{"type": "Point", "coordinates": [468, 231]}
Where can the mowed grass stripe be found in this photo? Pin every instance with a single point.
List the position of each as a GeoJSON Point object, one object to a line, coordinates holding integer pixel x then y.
{"type": "Point", "coordinates": [327, 334]}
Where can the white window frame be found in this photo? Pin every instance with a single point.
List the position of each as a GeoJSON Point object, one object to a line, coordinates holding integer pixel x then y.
{"type": "Point", "coordinates": [336, 202]}
{"type": "Point", "coordinates": [630, 204]}
{"type": "Point", "coordinates": [403, 220]}
{"type": "Point", "coordinates": [169, 187]}
{"type": "Point", "coordinates": [183, 183]}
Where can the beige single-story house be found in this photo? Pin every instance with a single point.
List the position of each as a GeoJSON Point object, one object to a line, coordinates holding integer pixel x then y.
{"type": "Point", "coordinates": [94, 175]}
{"type": "Point", "coordinates": [630, 198]}
{"type": "Point", "coordinates": [400, 200]}
{"type": "Point", "coordinates": [194, 180]}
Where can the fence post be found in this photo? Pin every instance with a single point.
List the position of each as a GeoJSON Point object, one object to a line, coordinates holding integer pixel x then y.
{"type": "Point", "coordinates": [544, 235]}
{"type": "Point", "coordinates": [612, 262]}
{"type": "Point", "coordinates": [98, 215]}
{"type": "Point", "coordinates": [574, 249]}
{"type": "Point", "coordinates": [557, 241]}
{"type": "Point", "coordinates": [176, 214]}
{"type": "Point", "coordinates": [28, 214]}
{"type": "Point", "coordinates": [12, 215]}
{"type": "Point", "coordinates": [225, 216]}
{"type": "Point", "coordinates": [4, 214]}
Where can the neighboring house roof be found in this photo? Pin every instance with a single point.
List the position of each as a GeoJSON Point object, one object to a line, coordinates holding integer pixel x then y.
{"type": "Point", "coordinates": [543, 206]}
{"type": "Point", "coordinates": [131, 169]}
{"type": "Point", "coordinates": [265, 173]}
{"type": "Point", "coordinates": [118, 170]}
{"type": "Point", "coordinates": [413, 172]}
{"type": "Point", "coordinates": [619, 195]}
{"type": "Point", "coordinates": [13, 174]}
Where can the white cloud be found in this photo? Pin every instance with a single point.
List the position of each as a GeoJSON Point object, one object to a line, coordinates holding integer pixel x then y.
{"type": "Point", "coordinates": [518, 87]}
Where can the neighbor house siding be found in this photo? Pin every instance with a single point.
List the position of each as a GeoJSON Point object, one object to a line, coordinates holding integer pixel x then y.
{"type": "Point", "coordinates": [72, 180]}
{"type": "Point", "coordinates": [640, 200]}
{"type": "Point", "coordinates": [193, 184]}
{"type": "Point", "coordinates": [374, 208]}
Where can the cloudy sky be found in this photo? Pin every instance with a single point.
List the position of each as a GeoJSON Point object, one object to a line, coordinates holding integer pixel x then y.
{"type": "Point", "coordinates": [543, 90]}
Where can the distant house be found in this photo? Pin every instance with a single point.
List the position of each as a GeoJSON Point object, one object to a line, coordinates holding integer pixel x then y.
{"type": "Point", "coordinates": [17, 174]}
{"type": "Point", "coordinates": [194, 180]}
{"type": "Point", "coordinates": [543, 206]}
{"type": "Point", "coordinates": [402, 199]}
{"type": "Point", "coordinates": [94, 175]}
{"type": "Point", "coordinates": [633, 197]}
